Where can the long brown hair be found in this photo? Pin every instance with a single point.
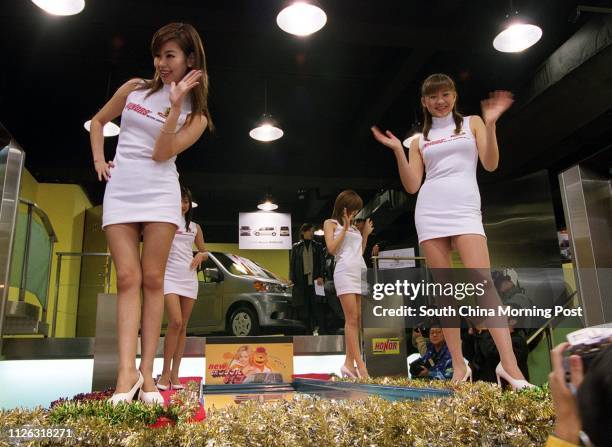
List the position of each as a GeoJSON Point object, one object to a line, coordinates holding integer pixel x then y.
{"type": "Point", "coordinates": [348, 199]}
{"type": "Point", "coordinates": [434, 83]}
{"type": "Point", "coordinates": [186, 194]}
{"type": "Point", "coordinates": [188, 39]}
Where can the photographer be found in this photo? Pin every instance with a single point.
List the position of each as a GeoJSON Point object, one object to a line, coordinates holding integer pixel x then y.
{"type": "Point", "coordinates": [583, 404]}
{"type": "Point", "coordinates": [436, 363]}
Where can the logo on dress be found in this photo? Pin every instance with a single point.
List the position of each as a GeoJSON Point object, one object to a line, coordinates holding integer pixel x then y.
{"type": "Point", "coordinates": [460, 135]}
{"type": "Point", "coordinates": [138, 108]}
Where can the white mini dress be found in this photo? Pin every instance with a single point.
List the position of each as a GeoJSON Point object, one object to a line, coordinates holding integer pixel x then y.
{"type": "Point", "coordinates": [141, 189]}
{"type": "Point", "coordinates": [448, 203]}
{"type": "Point", "coordinates": [179, 277]}
{"type": "Point", "coordinates": [350, 266]}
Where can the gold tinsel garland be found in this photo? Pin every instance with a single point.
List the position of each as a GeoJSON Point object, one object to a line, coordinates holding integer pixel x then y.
{"type": "Point", "coordinates": [478, 414]}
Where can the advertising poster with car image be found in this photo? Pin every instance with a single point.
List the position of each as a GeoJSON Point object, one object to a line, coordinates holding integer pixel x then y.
{"type": "Point", "coordinates": [236, 363]}
{"type": "Point", "coordinates": [264, 231]}
{"type": "Point", "coordinates": [397, 260]}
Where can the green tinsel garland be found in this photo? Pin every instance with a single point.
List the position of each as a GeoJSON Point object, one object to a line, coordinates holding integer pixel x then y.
{"type": "Point", "coordinates": [478, 414]}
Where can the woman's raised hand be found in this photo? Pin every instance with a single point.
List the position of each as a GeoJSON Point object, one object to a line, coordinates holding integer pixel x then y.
{"type": "Point", "coordinates": [387, 138]}
{"type": "Point", "coordinates": [497, 103]}
{"type": "Point", "coordinates": [178, 91]}
{"type": "Point", "coordinates": [346, 220]}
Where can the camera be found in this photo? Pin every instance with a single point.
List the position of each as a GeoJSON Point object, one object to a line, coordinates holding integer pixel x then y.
{"type": "Point", "coordinates": [587, 343]}
{"type": "Point", "coordinates": [423, 329]}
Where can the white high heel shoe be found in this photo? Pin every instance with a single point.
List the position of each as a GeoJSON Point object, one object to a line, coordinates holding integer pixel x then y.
{"type": "Point", "coordinates": [151, 397]}
{"type": "Point", "coordinates": [129, 396]}
{"type": "Point", "coordinates": [516, 384]}
{"type": "Point", "coordinates": [163, 387]}
{"type": "Point", "coordinates": [179, 386]}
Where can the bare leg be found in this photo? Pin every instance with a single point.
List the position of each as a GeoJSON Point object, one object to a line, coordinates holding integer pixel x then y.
{"type": "Point", "coordinates": [175, 322]}
{"type": "Point", "coordinates": [123, 243]}
{"type": "Point", "coordinates": [158, 238]}
{"type": "Point", "coordinates": [475, 254]}
{"type": "Point", "coordinates": [186, 308]}
{"type": "Point", "coordinates": [363, 371]}
{"type": "Point", "coordinates": [349, 308]}
{"type": "Point", "coordinates": [437, 253]}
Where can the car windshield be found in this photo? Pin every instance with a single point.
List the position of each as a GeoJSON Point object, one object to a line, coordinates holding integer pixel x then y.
{"type": "Point", "coordinates": [237, 265]}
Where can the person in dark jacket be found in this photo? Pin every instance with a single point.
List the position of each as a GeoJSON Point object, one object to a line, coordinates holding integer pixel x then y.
{"type": "Point", "coordinates": [306, 269]}
{"type": "Point", "coordinates": [479, 345]}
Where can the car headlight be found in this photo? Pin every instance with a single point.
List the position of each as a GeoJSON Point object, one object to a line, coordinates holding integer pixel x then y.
{"type": "Point", "coordinates": [269, 287]}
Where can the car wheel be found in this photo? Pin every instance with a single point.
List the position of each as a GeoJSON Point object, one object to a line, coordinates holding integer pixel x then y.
{"type": "Point", "coordinates": [243, 322]}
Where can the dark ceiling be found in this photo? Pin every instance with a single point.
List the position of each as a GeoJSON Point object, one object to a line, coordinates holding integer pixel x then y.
{"type": "Point", "coordinates": [364, 67]}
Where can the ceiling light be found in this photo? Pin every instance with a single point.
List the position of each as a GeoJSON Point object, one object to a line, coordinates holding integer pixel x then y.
{"type": "Point", "coordinates": [267, 205]}
{"type": "Point", "coordinates": [266, 129]}
{"type": "Point", "coordinates": [408, 140]}
{"type": "Point", "coordinates": [194, 204]}
{"type": "Point", "coordinates": [61, 7]}
{"type": "Point", "coordinates": [110, 129]}
{"type": "Point", "coordinates": [517, 37]}
{"type": "Point", "coordinates": [319, 232]}
{"type": "Point", "coordinates": [301, 18]}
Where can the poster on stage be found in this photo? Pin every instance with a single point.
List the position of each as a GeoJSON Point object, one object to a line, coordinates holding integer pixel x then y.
{"type": "Point", "coordinates": [386, 264]}
{"type": "Point", "coordinates": [241, 363]}
{"type": "Point", "coordinates": [264, 231]}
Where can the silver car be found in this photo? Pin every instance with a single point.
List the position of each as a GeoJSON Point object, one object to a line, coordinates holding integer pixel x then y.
{"type": "Point", "coordinates": [238, 296]}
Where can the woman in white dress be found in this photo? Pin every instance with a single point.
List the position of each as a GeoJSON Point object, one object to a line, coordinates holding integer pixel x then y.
{"type": "Point", "coordinates": [160, 118]}
{"type": "Point", "coordinates": [180, 290]}
{"type": "Point", "coordinates": [447, 212]}
{"type": "Point", "coordinates": [347, 244]}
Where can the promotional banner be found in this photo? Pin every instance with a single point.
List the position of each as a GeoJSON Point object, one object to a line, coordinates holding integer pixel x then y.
{"type": "Point", "coordinates": [385, 264]}
{"type": "Point", "coordinates": [264, 231]}
{"type": "Point", "coordinates": [235, 363]}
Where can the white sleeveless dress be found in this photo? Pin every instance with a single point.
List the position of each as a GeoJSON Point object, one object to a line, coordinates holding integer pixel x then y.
{"type": "Point", "coordinates": [350, 265]}
{"type": "Point", "coordinates": [179, 278]}
{"type": "Point", "coordinates": [141, 189]}
{"type": "Point", "coordinates": [448, 203]}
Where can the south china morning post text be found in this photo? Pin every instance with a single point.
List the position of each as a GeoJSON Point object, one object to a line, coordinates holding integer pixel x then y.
{"type": "Point", "coordinates": [460, 292]}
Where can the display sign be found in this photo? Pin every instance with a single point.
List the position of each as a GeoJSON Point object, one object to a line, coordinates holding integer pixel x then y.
{"type": "Point", "coordinates": [385, 346]}
{"type": "Point", "coordinates": [264, 231]}
{"type": "Point", "coordinates": [235, 362]}
{"type": "Point", "coordinates": [385, 264]}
